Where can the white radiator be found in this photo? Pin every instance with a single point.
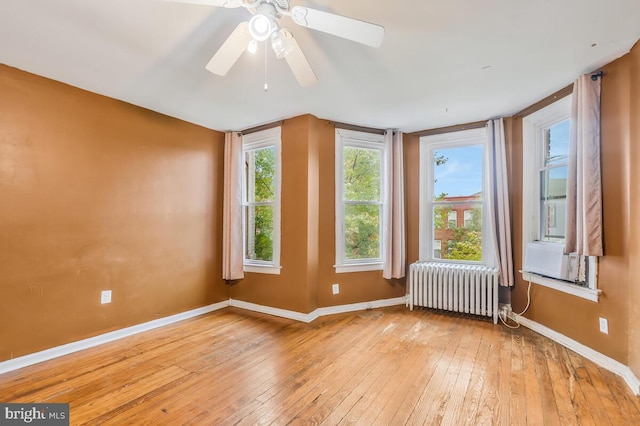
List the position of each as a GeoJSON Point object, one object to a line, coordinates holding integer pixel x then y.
{"type": "Point", "coordinates": [471, 289]}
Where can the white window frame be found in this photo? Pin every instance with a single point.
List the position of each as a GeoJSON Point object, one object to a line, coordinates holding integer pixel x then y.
{"type": "Point", "coordinates": [429, 144]}
{"type": "Point", "coordinates": [258, 140]}
{"type": "Point", "coordinates": [533, 126]}
{"type": "Point", "coordinates": [350, 138]}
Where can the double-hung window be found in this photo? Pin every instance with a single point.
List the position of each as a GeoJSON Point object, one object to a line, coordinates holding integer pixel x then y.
{"type": "Point", "coordinates": [545, 171]}
{"type": "Point", "coordinates": [360, 198]}
{"type": "Point", "coordinates": [453, 204]}
{"type": "Point", "coordinates": [261, 201]}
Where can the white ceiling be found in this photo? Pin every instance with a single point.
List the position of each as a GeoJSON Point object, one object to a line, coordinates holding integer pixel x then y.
{"type": "Point", "coordinates": [441, 63]}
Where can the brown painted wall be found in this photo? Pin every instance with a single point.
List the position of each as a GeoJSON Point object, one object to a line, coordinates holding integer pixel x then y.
{"type": "Point", "coordinates": [289, 290]}
{"type": "Point", "coordinates": [98, 194]}
{"type": "Point", "coordinates": [412, 196]}
{"type": "Point", "coordinates": [634, 187]}
{"type": "Point", "coordinates": [357, 286]}
{"type": "Point", "coordinates": [308, 233]}
{"type": "Point", "coordinates": [572, 316]}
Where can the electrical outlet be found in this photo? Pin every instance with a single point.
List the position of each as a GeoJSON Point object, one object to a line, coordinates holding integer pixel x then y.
{"type": "Point", "coordinates": [335, 288]}
{"type": "Point", "coordinates": [604, 325]}
{"type": "Point", "coordinates": [505, 310]}
{"type": "Point", "coordinates": [105, 296]}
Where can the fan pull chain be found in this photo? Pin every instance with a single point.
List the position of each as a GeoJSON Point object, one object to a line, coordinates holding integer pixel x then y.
{"type": "Point", "coordinates": [266, 86]}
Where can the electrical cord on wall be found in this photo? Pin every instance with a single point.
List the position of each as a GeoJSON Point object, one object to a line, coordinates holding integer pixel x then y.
{"type": "Point", "coordinates": [504, 320]}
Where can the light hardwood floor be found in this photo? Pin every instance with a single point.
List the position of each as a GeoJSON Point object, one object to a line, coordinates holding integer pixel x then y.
{"type": "Point", "coordinates": [380, 367]}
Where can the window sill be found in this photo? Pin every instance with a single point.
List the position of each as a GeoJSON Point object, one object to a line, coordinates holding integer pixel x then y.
{"type": "Point", "coordinates": [585, 293]}
{"type": "Point", "coordinates": [358, 267]}
{"type": "Point", "coordinates": [262, 269]}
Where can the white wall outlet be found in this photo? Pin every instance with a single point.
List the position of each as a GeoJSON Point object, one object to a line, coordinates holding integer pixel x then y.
{"type": "Point", "coordinates": [105, 296]}
{"type": "Point", "coordinates": [335, 288]}
{"type": "Point", "coordinates": [604, 325]}
{"type": "Point", "coordinates": [505, 311]}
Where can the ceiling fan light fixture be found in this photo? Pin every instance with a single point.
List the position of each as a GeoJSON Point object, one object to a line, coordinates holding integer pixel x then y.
{"type": "Point", "coordinates": [261, 27]}
{"type": "Point", "coordinates": [281, 43]}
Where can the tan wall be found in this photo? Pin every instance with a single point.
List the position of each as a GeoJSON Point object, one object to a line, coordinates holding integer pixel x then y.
{"type": "Point", "coordinates": [290, 289]}
{"type": "Point", "coordinates": [357, 286]}
{"type": "Point", "coordinates": [634, 240]}
{"type": "Point", "coordinates": [412, 196]}
{"type": "Point", "coordinates": [572, 316]}
{"type": "Point", "coordinates": [308, 231]}
{"type": "Point", "coordinates": [98, 194]}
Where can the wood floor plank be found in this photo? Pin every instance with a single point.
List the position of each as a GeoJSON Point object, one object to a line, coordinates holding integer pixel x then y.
{"type": "Point", "coordinates": [597, 409]}
{"type": "Point", "coordinates": [532, 387]}
{"type": "Point", "coordinates": [453, 411]}
{"type": "Point", "coordinates": [549, 411]}
{"type": "Point", "coordinates": [386, 366]}
{"type": "Point", "coordinates": [502, 412]}
{"type": "Point", "coordinates": [477, 376]}
{"type": "Point", "coordinates": [428, 404]}
{"type": "Point", "coordinates": [560, 383]}
{"type": "Point", "coordinates": [578, 402]}
{"type": "Point", "coordinates": [517, 396]}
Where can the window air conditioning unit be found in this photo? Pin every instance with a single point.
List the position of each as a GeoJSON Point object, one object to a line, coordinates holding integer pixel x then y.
{"type": "Point", "coordinates": [549, 260]}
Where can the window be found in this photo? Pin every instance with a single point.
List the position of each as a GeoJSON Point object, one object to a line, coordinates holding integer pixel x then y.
{"type": "Point", "coordinates": [453, 219]}
{"type": "Point", "coordinates": [545, 170]}
{"type": "Point", "coordinates": [452, 185]}
{"type": "Point", "coordinates": [261, 201]}
{"type": "Point", "coordinates": [437, 249]}
{"type": "Point", "coordinates": [360, 197]}
{"type": "Point", "coordinates": [553, 181]}
{"type": "Point", "coordinates": [468, 218]}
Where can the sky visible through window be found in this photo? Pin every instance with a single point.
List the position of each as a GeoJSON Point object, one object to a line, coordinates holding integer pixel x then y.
{"type": "Point", "coordinates": [559, 141]}
{"type": "Point", "coordinates": [461, 175]}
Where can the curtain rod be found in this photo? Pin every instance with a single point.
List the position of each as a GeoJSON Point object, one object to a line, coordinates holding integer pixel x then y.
{"type": "Point", "coordinates": [450, 129]}
{"type": "Point", "coordinates": [357, 128]}
{"type": "Point", "coordinates": [261, 127]}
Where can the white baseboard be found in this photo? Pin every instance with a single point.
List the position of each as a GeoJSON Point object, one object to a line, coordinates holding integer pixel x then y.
{"type": "Point", "coordinates": [602, 360]}
{"type": "Point", "coordinates": [58, 351]}
{"type": "Point", "coordinates": [313, 315]}
{"type": "Point", "coordinates": [283, 313]}
{"type": "Point", "coordinates": [382, 303]}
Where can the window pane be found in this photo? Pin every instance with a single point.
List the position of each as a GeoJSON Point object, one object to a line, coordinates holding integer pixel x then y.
{"type": "Point", "coordinates": [463, 243]}
{"type": "Point", "coordinates": [260, 167]}
{"type": "Point", "coordinates": [259, 233]}
{"type": "Point", "coordinates": [453, 219]}
{"type": "Point", "coordinates": [362, 231]}
{"type": "Point", "coordinates": [468, 218]}
{"type": "Point", "coordinates": [437, 249]}
{"type": "Point", "coordinates": [553, 201]}
{"type": "Point", "coordinates": [457, 172]}
{"type": "Point", "coordinates": [361, 177]}
{"type": "Point", "coordinates": [556, 139]}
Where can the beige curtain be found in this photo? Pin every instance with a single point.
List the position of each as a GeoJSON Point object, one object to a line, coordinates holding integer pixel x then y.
{"type": "Point", "coordinates": [584, 191]}
{"type": "Point", "coordinates": [232, 208]}
{"type": "Point", "coordinates": [393, 219]}
{"type": "Point", "coordinates": [500, 202]}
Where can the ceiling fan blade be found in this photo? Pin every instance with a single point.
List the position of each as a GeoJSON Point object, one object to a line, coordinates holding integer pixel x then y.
{"type": "Point", "coordinates": [230, 50]}
{"type": "Point", "coordinates": [298, 62]}
{"type": "Point", "coordinates": [220, 3]}
{"type": "Point", "coordinates": [341, 26]}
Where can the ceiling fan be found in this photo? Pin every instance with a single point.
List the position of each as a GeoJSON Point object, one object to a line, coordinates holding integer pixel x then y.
{"type": "Point", "coordinates": [263, 25]}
